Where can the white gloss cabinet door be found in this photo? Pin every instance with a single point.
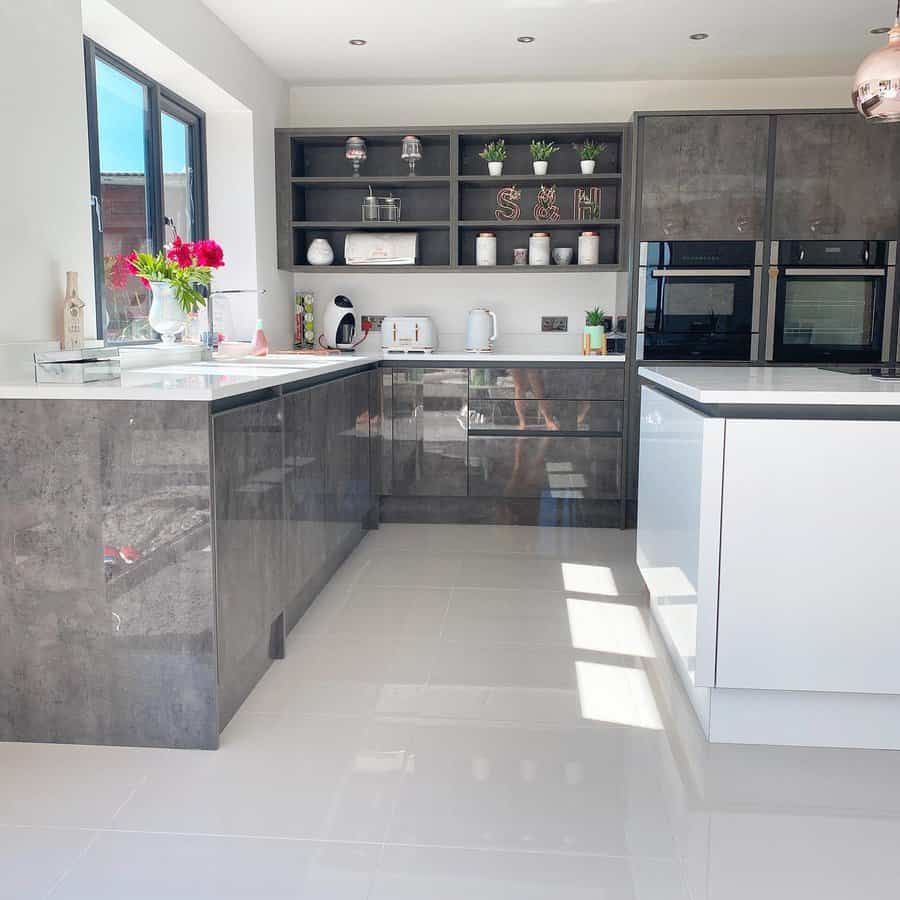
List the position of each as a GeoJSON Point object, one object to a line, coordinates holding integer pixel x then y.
{"type": "Point", "coordinates": [810, 572]}
{"type": "Point", "coordinates": [679, 515]}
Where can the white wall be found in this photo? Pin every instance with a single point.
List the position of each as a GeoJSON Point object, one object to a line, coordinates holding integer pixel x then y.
{"type": "Point", "coordinates": [187, 48]}
{"type": "Point", "coordinates": [512, 103]}
{"type": "Point", "coordinates": [519, 299]}
{"type": "Point", "coordinates": [45, 217]}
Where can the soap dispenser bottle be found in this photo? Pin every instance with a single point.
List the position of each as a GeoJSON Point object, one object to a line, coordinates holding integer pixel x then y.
{"type": "Point", "coordinates": [260, 345]}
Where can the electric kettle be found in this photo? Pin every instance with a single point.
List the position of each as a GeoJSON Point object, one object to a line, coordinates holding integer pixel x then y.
{"type": "Point", "coordinates": [481, 331]}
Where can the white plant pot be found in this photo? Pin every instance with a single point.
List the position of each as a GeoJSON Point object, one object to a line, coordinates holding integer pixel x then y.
{"type": "Point", "coordinates": [587, 166]}
{"type": "Point", "coordinates": [495, 168]}
{"type": "Point", "coordinates": [167, 318]}
{"type": "Point", "coordinates": [540, 167]}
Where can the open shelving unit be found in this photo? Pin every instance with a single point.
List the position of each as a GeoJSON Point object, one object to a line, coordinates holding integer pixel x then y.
{"type": "Point", "coordinates": [451, 198]}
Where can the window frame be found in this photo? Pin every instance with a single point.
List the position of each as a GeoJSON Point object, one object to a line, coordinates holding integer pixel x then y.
{"type": "Point", "coordinates": [159, 100]}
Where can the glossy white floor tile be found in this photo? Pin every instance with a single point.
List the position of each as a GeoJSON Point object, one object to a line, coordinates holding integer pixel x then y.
{"type": "Point", "coordinates": [465, 711]}
{"type": "Point", "coordinates": [122, 865]}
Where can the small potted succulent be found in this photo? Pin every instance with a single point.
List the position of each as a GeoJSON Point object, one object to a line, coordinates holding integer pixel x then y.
{"type": "Point", "coordinates": [541, 151]}
{"type": "Point", "coordinates": [494, 153]}
{"type": "Point", "coordinates": [593, 327]}
{"type": "Point", "coordinates": [589, 151]}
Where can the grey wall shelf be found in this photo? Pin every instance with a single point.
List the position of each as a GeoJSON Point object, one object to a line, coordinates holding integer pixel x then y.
{"type": "Point", "coordinates": [451, 197]}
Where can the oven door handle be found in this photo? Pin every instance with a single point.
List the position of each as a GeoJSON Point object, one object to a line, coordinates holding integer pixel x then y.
{"type": "Point", "coordinates": [834, 273]}
{"type": "Point", "coordinates": [701, 273]}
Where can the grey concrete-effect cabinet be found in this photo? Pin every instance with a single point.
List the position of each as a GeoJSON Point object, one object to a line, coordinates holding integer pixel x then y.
{"type": "Point", "coordinates": [429, 451]}
{"type": "Point", "coordinates": [835, 177]}
{"type": "Point", "coordinates": [703, 177]}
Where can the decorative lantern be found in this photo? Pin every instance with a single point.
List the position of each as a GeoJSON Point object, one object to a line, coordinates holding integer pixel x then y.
{"type": "Point", "coordinates": [355, 151]}
{"type": "Point", "coordinates": [411, 151]}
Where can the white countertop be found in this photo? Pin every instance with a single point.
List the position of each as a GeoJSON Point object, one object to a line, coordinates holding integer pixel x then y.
{"type": "Point", "coordinates": [220, 378]}
{"type": "Point", "coordinates": [749, 385]}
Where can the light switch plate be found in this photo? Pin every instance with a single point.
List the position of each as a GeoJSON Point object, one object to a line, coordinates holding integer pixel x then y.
{"type": "Point", "coordinates": [554, 323]}
{"type": "Point", "coordinates": [373, 321]}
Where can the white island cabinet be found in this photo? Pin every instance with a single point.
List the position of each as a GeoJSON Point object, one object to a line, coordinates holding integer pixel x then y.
{"type": "Point", "coordinates": [766, 539]}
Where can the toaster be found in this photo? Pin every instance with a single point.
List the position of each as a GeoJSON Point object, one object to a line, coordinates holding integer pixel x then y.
{"type": "Point", "coordinates": [408, 334]}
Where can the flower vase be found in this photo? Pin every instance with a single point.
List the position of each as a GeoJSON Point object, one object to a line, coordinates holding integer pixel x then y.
{"type": "Point", "coordinates": [167, 318]}
{"type": "Point", "coordinates": [495, 167]}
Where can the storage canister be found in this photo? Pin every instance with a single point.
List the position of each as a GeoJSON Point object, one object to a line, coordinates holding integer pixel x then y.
{"type": "Point", "coordinates": [539, 249]}
{"type": "Point", "coordinates": [588, 248]}
{"type": "Point", "coordinates": [486, 249]}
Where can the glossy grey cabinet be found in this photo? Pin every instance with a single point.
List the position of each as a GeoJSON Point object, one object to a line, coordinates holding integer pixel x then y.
{"type": "Point", "coordinates": [305, 415]}
{"type": "Point", "coordinates": [836, 176]}
{"type": "Point", "coordinates": [597, 381]}
{"type": "Point", "coordinates": [347, 461]}
{"type": "Point", "coordinates": [251, 585]}
{"type": "Point", "coordinates": [428, 441]}
{"type": "Point", "coordinates": [546, 415]}
{"type": "Point", "coordinates": [575, 468]}
{"type": "Point", "coordinates": [703, 177]}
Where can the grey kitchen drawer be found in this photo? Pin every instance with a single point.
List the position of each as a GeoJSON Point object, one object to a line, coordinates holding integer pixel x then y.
{"type": "Point", "coordinates": [592, 381]}
{"type": "Point", "coordinates": [593, 416]}
{"type": "Point", "coordinates": [544, 466]}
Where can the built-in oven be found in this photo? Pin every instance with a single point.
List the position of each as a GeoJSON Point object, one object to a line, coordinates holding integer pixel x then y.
{"type": "Point", "coordinates": [699, 300]}
{"type": "Point", "coordinates": [833, 301]}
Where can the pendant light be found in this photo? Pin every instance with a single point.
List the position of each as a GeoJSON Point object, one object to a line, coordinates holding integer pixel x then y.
{"type": "Point", "coordinates": [876, 88]}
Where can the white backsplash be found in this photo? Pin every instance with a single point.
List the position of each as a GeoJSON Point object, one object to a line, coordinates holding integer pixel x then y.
{"type": "Point", "coordinates": [519, 300]}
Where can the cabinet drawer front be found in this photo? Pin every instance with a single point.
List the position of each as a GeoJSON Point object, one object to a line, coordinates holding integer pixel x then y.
{"type": "Point", "coordinates": [595, 381]}
{"type": "Point", "coordinates": [561, 468]}
{"type": "Point", "coordinates": [603, 416]}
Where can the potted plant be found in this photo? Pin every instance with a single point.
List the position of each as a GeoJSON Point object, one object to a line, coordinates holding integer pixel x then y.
{"type": "Point", "coordinates": [593, 327]}
{"type": "Point", "coordinates": [541, 151]}
{"type": "Point", "coordinates": [589, 151]}
{"type": "Point", "coordinates": [174, 276]}
{"type": "Point", "coordinates": [494, 153]}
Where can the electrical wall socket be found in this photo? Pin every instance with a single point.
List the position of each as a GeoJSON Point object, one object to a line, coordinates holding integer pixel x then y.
{"type": "Point", "coordinates": [373, 321]}
{"type": "Point", "coordinates": [554, 323]}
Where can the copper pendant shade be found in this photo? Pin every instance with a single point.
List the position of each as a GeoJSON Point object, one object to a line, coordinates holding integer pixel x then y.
{"type": "Point", "coordinates": [876, 88]}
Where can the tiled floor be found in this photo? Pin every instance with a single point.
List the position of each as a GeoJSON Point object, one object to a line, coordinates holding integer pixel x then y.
{"type": "Point", "coordinates": [466, 712]}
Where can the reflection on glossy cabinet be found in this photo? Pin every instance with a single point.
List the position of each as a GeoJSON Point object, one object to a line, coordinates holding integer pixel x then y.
{"type": "Point", "coordinates": [347, 463]}
{"type": "Point", "coordinates": [704, 177]}
{"type": "Point", "coordinates": [305, 413]}
{"type": "Point", "coordinates": [578, 468]}
{"type": "Point", "coordinates": [835, 177]}
{"type": "Point", "coordinates": [596, 381]}
{"type": "Point", "coordinates": [429, 432]}
{"type": "Point", "coordinates": [546, 415]}
{"type": "Point", "coordinates": [249, 513]}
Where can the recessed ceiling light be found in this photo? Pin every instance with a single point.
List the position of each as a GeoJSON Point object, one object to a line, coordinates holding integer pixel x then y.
{"type": "Point", "coordinates": [884, 29]}
{"type": "Point", "coordinates": [525, 39]}
{"type": "Point", "coordinates": [699, 36]}
{"type": "Point", "coordinates": [358, 42]}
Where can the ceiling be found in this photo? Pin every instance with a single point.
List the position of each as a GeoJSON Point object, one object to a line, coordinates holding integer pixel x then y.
{"type": "Point", "coordinates": [434, 41]}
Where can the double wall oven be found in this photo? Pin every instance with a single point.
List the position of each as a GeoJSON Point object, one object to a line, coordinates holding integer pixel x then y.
{"type": "Point", "coordinates": [833, 301]}
{"type": "Point", "coordinates": [699, 300]}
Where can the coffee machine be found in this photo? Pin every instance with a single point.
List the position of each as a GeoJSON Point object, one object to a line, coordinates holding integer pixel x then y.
{"type": "Point", "coordinates": [339, 324]}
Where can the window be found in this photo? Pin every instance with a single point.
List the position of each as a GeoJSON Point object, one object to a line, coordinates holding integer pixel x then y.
{"type": "Point", "coordinates": [147, 157]}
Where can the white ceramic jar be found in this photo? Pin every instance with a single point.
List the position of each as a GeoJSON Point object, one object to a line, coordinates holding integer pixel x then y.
{"type": "Point", "coordinates": [539, 249]}
{"type": "Point", "coordinates": [486, 249]}
{"type": "Point", "coordinates": [320, 253]}
{"type": "Point", "coordinates": [588, 248]}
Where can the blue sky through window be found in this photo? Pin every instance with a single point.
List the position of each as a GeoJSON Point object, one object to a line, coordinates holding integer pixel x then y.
{"type": "Point", "coordinates": [121, 104]}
